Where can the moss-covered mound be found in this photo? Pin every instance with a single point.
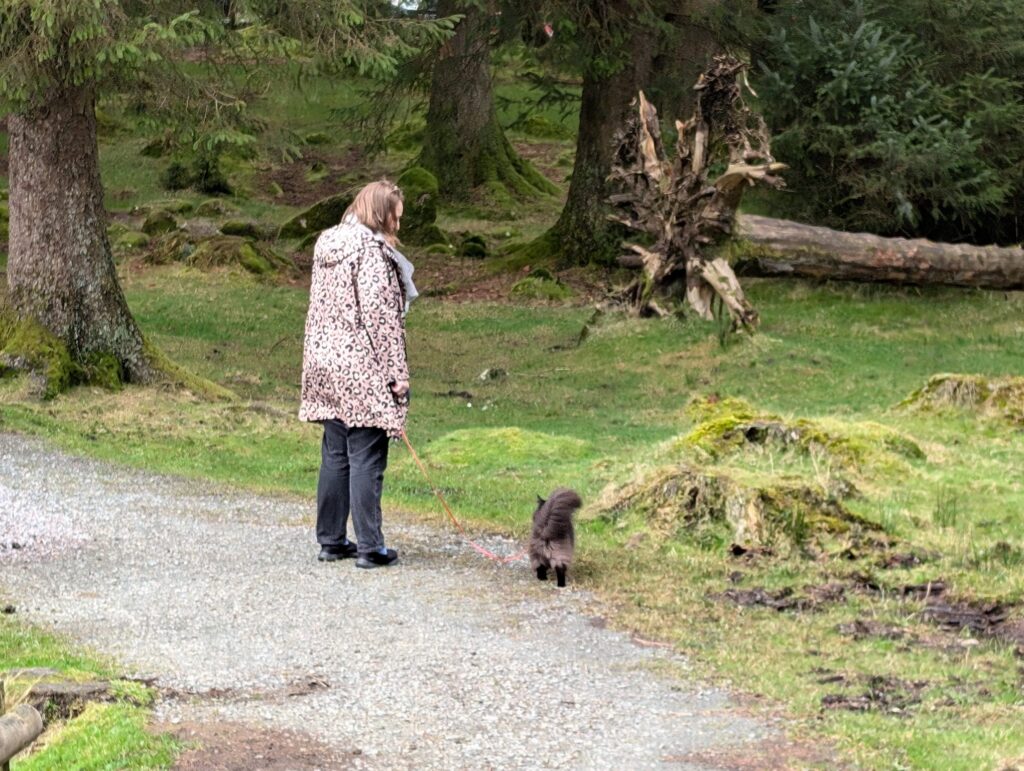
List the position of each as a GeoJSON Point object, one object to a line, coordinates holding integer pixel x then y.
{"type": "Point", "coordinates": [1000, 398]}
{"type": "Point", "coordinates": [159, 222]}
{"type": "Point", "coordinates": [219, 251]}
{"type": "Point", "coordinates": [539, 287]}
{"type": "Point", "coordinates": [730, 425]}
{"type": "Point", "coordinates": [509, 447]}
{"type": "Point", "coordinates": [243, 228]}
{"type": "Point", "coordinates": [419, 188]}
{"type": "Point", "coordinates": [320, 216]}
{"type": "Point", "coordinates": [685, 502]}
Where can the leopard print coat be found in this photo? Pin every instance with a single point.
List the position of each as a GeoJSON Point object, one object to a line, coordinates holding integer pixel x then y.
{"type": "Point", "coordinates": [355, 333]}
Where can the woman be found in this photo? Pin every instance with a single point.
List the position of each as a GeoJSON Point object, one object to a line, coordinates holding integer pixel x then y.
{"type": "Point", "coordinates": [355, 376]}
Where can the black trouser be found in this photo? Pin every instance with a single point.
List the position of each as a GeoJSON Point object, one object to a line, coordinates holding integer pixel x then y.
{"type": "Point", "coordinates": [351, 480]}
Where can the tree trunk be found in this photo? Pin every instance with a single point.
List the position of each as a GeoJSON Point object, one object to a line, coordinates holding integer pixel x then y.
{"type": "Point", "coordinates": [771, 247]}
{"type": "Point", "coordinates": [583, 233]}
{"type": "Point", "coordinates": [689, 50]}
{"type": "Point", "coordinates": [60, 271]}
{"type": "Point", "coordinates": [464, 146]}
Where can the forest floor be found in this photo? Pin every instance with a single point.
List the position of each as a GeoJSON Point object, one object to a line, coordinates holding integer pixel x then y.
{"type": "Point", "coordinates": [214, 598]}
{"type": "Point", "coordinates": [884, 623]}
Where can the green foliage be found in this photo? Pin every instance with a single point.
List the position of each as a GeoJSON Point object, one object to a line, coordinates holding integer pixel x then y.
{"type": "Point", "coordinates": [895, 132]}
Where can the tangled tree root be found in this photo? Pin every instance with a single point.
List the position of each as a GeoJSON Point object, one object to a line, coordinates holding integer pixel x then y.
{"type": "Point", "coordinates": [1000, 398]}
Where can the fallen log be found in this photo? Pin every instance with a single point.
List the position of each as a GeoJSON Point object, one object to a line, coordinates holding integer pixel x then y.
{"type": "Point", "coordinates": [780, 248]}
{"type": "Point", "coordinates": [18, 729]}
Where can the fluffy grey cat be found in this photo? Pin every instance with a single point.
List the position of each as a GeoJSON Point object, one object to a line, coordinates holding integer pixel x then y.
{"type": "Point", "coordinates": [554, 539]}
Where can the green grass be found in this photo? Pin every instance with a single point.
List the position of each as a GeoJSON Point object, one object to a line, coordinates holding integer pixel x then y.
{"type": "Point", "coordinates": [599, 414]}
{"type": "Point", "coordinates": [104, 736]}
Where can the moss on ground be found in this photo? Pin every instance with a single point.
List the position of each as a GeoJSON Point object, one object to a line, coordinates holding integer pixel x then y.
{"type": "Point", "coordinates": [730, 425]}
{"type": "Point", "coordinates": [540, 288]}
{"type": "Point", "coordinates": [218, 252]}
{"type": "Point", "coordinates": [25, 345]}
{"type": "Point", "coordinates": [180, 376]}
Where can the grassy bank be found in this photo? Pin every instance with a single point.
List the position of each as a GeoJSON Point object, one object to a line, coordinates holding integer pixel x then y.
{"type": "Point", "coordinates": [615, 408]}
{"type": "Point", "coordinates": [99, 736]}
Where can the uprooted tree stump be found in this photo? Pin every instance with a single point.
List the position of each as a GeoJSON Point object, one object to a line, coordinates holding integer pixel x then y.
{"type": "Point", "coordinates": [677, 205]}
{"type": "Point", "coordinates": [677, 501]}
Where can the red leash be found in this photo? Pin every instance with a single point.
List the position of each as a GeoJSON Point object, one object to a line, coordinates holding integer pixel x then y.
{"type": "Point", "coordinates": [458, 525]}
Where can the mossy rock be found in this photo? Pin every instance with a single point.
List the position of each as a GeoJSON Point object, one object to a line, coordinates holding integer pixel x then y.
{"type": "Point", "coordinates": [320, 216]}
{"type": "Point", "coordinates": [175, 206]}
{"type": "Point", "coordinates": [540, 288]}
{"type": "Point", "coordinates": [243, 228]}
{"type": "Point", "coordinates": [473, 246]}
{"type": "Point", "coordinates": [159, 222]}
{"type": "Point", "coordinates": [1000, 398]}
{"type": "Point", "coordinates": [221, 251]}
{"type": "Point", "coordinates": [213, 207]}
{"type": "Point", "coordinates": [420, 191]}
{"type": "Point", "coordinates": [132, 240]}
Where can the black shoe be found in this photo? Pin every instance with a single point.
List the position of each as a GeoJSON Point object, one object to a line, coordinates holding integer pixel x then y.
{"type": "Point", "coordinates": [377, 560]}
{"type": "Point", "coordinates": [340, 552]}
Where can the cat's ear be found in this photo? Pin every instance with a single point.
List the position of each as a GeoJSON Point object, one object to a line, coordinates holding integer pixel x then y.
{"type": "Point", "coordinates": [540, 501]}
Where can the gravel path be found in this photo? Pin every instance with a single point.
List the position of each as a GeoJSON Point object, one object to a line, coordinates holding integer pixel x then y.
{"type": "Point", "coordinates": [444, 661]}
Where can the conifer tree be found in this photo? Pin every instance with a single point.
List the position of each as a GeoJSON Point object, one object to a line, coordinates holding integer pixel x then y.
{"type": "Point", "coordinates": [67, 318]}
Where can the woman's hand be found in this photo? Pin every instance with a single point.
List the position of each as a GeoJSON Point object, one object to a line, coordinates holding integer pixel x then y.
{"type": "Point", "coordinates": [400, 389]}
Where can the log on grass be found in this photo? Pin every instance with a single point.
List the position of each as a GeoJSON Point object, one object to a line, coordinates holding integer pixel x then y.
{"type": "Point", "coordinates": [780, 248]}
{"type": "Point", "coordinates": [18, 729]}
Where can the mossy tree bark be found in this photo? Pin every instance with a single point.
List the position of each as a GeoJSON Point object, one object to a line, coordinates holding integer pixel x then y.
{"type": "Point", "coordinates": [464, 145]}
{"type": "Point", "coordinates": [583, 233]}
{"type": "Point", "coordinates": [60, 271]}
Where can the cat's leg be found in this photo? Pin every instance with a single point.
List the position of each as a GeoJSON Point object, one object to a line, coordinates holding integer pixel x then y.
{"type": "Point", "coordinates": [560, 574]}
{"type": "Point", "coordinates": [542, 572]}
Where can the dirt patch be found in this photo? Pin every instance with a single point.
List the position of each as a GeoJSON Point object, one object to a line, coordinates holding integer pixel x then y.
{"type": "Point", "coordinates": [317, 175]}
{"type": "Point", "coordinates": [987, 619]}
{"type": "Point", "coordinates": [774, 755]}
{"type": "Point", "coordinates": [878, 694]}
{"type": "Point", "coordinates": [303, 687]}
{"type": "Point", "coordinates": [238, 747]}
{"type": "Point", "coordinates": [812, 598]}
{"type": "Point", "coordinates": [459, 279]}
{"type": "Point", "coordinates": [863, 628]}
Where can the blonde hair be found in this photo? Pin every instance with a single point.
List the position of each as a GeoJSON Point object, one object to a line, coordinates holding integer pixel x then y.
{"type": "Point", "coordinates": [376, 206]}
